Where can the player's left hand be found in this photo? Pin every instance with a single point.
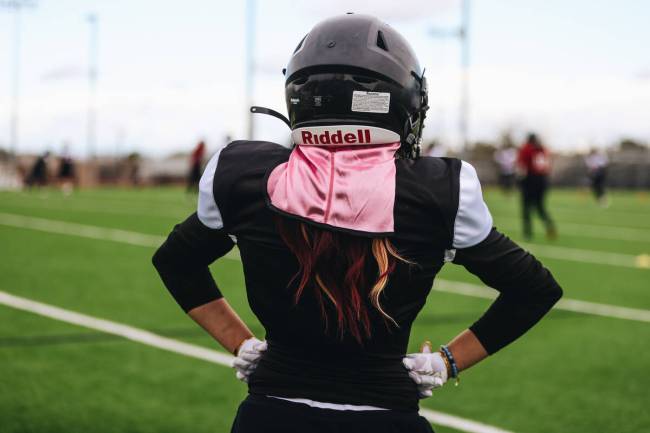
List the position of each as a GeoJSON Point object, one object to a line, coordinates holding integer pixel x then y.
{"type": "Point", "coordinates": [248, 356]}
{"type": "Point", "coordinates": [428, 370]}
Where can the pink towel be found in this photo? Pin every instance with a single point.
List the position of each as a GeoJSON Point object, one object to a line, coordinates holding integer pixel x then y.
{"type": "Point", "coordinates": [342, 176]}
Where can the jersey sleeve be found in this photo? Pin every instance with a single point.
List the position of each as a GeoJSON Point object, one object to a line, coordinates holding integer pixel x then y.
{"type": "Point", "coordinates": [473, 219]}
{"type": "Point", "coordinates": [182, 260]}
{"type": "Point", "coordinates": [527, 290]}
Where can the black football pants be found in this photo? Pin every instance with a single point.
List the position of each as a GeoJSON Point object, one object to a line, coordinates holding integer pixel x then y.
{"type": "Point", "coordinates": [260, 414]}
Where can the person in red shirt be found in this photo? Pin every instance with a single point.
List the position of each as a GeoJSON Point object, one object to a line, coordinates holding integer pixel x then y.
{"type": "Point", "coordinates": [196, 166]}
{"type": "Point", "coordinates": [535, 164]}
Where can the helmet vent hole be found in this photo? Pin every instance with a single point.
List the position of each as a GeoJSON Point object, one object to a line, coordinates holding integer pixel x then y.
{"type": "Point", "coordinates": [381, 42]}
{"type": "Point", "coordinates": [300, 44]}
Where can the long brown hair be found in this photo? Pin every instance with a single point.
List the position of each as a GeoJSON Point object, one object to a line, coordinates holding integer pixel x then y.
{"type": "Point", "coordinates": [338, 268]}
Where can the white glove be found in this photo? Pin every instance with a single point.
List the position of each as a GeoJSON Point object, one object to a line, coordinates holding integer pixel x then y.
{"type": "Point", "coordinates": [428, 370]}
{"type": "Point", "coordinates": [248, 356]}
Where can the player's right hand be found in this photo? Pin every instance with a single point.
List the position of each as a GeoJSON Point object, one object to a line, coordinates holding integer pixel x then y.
{"type": "Point", "coordinates": [428, 370]}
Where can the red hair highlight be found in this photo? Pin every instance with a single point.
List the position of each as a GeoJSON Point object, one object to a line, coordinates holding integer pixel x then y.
{"type": "Point", "coordinates": [336, 267]}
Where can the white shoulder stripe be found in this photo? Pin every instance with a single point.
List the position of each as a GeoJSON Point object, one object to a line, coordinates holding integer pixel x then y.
{"type": "Point", "coordinates": [207, 210]}
{"type": "Point", "coordinates": [473, 220]}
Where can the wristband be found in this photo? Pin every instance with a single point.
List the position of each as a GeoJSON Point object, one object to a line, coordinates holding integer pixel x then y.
{"type": "Point", "coordinates": [450, 358]}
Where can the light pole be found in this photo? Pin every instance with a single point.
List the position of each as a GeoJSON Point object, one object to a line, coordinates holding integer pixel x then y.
{"type": "Point", "coordinates": [464, 96]}
{"type": "Point", "coordinates": [250, 66]}
{"type": "Point", "coordinates": [91, 114]}
{"type": "Point", "coordinates": [461, 33]}
{"type": "Point", "coordinates": [15, 6]}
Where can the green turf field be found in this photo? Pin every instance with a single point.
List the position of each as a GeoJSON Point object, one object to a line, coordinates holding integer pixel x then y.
{"type": "Point", "coordinates": [575, 372]}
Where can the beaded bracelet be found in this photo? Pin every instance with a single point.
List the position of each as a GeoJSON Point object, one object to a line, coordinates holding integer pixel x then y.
{"type": "Point", "coordinates": [454, 368]}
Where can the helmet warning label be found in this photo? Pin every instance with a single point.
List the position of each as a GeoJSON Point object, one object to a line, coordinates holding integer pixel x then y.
{"type": "Point", "coordinates": [370, 102]}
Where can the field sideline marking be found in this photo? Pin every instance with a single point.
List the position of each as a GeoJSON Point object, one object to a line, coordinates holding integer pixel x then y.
{"type": "Point", "coordinates": [136, 238]}
{"type": "Point", "coordinates": [610, 212]}
{"type": "Point", "coordinates": [574, 305]}
{"type": "Point", "coordinates": [586, 256]}
{"type": "Point", "coordinates": [586, 230]}
{"type": "Point", "coordinates": [194, 351]}
{"type": "Point", "coordinates": [81, 230]}
{"type": "Point", "coordinates": [106, 209]}
{"type": "Point", "coordinates": [126, 207]}
{"type": "Point", "coordinates": [140, 239]}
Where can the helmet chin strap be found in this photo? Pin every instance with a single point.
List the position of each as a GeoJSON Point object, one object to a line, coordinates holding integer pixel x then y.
{"type": "Point", "coordinates": [263, 110]}
{"type": "Point", "coordinates": [413, 140]}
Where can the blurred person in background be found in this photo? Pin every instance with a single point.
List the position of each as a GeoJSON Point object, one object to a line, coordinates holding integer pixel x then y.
{"type": "Point", "coordinates": [506, 160]}
{"type": "Point", "coordinates": [435, 149]}
{"type": "Point", "coordinates": [596, 162]}
{"type": "Point", "coordinates": [535, 165]}
{"type": "Point", "coordinates": [38, 175]}
{"type": "Point", "coordinates": [66, 177]}
{"type": "Point", "coordinates": [340, 239]}
{"type": "Point", "coordinates": [196, 165]}
{"type": "Point", "coordinates": [133, 167]}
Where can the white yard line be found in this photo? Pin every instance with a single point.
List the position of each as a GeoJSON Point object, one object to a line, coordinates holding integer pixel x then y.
{"type": "Point", "coordinates": [574, 305]}
{"type": "Point", "coordinates": [81, 230]}
{"type": "Point", "coordinates": [455, 422]}
{"type": "Point", "coordinates": [193, 351]}
{"type": "Point", "coordinates": [135, 238]}
{"type": "Point", "coordinates": [585, 230]}
{"type": "Point", "coordinates": [101, 208]}
{"type": "Point", "coordinates": [124, 205]}
{"type": "Point", "coordinates": [585, 256]}
{"type": "Point", "coordinates": [611, 212]}
{"type": "Point", "coordinates": [109, 327]}
{"type": "Point", "coordinates": [504, 223]}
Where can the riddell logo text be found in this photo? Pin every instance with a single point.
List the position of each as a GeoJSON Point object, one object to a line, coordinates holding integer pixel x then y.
{"type": "Point", "coordinates": [362, 136]}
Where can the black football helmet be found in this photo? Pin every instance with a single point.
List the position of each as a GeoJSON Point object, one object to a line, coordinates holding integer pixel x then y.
{"type": "Point", "coordinates": [356, 70]}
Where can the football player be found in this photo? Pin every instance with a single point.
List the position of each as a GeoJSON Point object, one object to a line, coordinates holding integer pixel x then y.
{"type": "Point", "coordinates": [341, 238]}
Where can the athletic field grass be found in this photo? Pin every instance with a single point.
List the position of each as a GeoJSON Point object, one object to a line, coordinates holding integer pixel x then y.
{"type": "Point", "coordinates": [586, 368]}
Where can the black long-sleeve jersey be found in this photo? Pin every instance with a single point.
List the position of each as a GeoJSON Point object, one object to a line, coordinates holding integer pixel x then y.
{"type": "Point", "coordinates": [439, 215]}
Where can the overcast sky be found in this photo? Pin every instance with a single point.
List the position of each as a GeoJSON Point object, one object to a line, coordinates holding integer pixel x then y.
{"type": "Point", "coordinates": [171, 72]}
